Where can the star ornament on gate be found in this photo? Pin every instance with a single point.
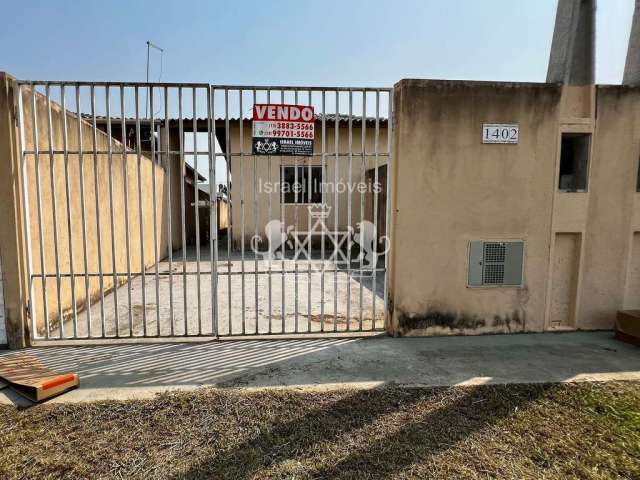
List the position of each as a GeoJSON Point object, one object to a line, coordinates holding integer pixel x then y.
{"type": "Point", "coordinates": [303, 239]}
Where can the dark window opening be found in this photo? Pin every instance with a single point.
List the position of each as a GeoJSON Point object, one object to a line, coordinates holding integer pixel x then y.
{"type": "Point", "coordinates": [297, 186]}
{"type": "Point", "coordinates": [638, 179]}
{"type": "Point", "coordinates": [574, 162]}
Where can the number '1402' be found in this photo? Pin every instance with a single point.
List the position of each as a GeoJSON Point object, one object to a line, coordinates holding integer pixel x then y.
{"type": "Point", "coordinates": [500, 133]}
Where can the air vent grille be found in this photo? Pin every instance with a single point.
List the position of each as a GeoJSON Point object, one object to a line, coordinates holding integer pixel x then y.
{"type": "Point", "coordinates": [495, 263]}
{"type": "Point", "coordinates": [494, 252]}
{"type": "Point", "coordinates": [493, 274]}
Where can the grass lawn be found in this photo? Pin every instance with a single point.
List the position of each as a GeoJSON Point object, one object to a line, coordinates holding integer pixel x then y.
{"type": "Point", "coordinates": [588, 430]}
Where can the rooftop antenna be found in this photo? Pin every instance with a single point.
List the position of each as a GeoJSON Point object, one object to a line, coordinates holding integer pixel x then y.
{"type": "Point", "coordinates": [151, 45]}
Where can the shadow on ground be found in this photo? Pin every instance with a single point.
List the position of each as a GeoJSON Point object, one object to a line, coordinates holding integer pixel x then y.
{"type": "Point", "coordinates": [106, 371]}
{"type": "Point", "coordinates": [368, 434]}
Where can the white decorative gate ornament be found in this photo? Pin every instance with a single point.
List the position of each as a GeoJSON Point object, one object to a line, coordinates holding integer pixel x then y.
{"type": "Point", "coordinates": [341, 242]}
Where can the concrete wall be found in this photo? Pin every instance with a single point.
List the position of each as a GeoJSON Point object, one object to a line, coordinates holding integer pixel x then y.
{"type": "Point", "coordinates": [611, 205]}
{"type": "Point", "coordinates": [97, 215]}
{"type": "Point", "coordinates": [243, 168]}
{"type": "Point", "coordinates": [450, 188]}
{"type": "Point", "coordinates": [12, 244]}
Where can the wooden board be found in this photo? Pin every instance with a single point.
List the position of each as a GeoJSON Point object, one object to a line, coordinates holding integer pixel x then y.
{"type": "Point", "coordinates": [628, 326]}
{"type": "Point", "coordinates": [31, 378]}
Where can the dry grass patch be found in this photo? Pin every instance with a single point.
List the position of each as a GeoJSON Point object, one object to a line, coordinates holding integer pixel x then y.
{"type": "Point", "coordinates": [515, 431]}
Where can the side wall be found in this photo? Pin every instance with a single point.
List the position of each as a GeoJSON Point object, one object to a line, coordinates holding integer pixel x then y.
{"type": "Point", "coordinates": [581, 249]}
{"type": "Point", "coordinates": [93, 174]}
{"type": "Point", "coordinates": [613, 209]}
{"type": "Point", "coordinates": [450, 188]}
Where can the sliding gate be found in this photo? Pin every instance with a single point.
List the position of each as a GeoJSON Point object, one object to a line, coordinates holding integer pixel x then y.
{"type": "Point", "coordinates": [198, 210]}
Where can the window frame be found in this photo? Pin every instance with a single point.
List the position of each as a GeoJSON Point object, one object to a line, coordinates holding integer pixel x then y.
{"type": "Point", "coordinates": [638, 175]}
{"type": "Point", "coordinates": [584, 133]}
{"type": "Point", "coordinates": [302, 193]}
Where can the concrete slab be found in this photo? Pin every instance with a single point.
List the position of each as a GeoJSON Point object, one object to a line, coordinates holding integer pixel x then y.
{"type": "Point", "coordinates": [295, 301]}
{"type": "Point", "coordinates": [141, 371]}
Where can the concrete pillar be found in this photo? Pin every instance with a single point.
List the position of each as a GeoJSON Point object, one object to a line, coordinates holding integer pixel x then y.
{"type": "Point", "coordinates": [632, 66]}
{"type": "Point", "coordinates": [12, 251]}
{"type": "Point", "coordinates": [572, 57]}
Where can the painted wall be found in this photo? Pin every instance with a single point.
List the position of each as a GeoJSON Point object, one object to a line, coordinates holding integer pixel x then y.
{"type": "Point", "coordinates": [450, 188]}
{"type": "Point", "coordinates": [98, 226]}
{"type": "Point", "coordinates": [612, 208]}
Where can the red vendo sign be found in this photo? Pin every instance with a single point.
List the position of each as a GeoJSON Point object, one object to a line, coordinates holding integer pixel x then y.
{"type": "Point", "coordinates": [280, 129]}
{"type": "Point", "coordinates": [289, 113]}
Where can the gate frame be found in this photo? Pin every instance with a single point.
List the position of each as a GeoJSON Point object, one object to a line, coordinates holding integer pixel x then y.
{"type": "Point", "coordinates": [28, 319]}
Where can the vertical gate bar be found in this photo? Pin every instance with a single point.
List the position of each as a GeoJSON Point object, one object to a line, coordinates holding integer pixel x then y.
{"type": "Point", "coordinates": [182, 212]}
{"type": "Point", "coordinates": [284, 246]}
{"type": "Point", "coordinates": [125, 176]}
{"type": "Point", "coordinates": [270, 286]}
{"type": "Point", "coordinates": [154, 164]}
{"type": "Point", "coordinates": [363, 175]}
{"type": "Point", "coordinates": [113, 236]}
{"type": "Point", "coordinates": [94, 141]}
{"type": "Point", "coordinates": [196, 195]}
{"type": "Point", "coordinates": [229, 202]}
{"type": "Point", "coordinates": [169, 206]}
{"type": "Point", "coordinates": [36, 150]}
{"type": "Point", "coordinates": [255, 229]}
{"type": "Point", "coordinates": [87, 299]}
{"type": "Point", "coordinates": [336, 211]}
{"type": "Point", "coordinates": [322, 194]}
{"type": "Point", "coordinates": [213, 210]}
{"type": "Point", "coordinates": [309, 160]}
{"type": "Point", "coordinates": [375, 209]}
{"type": "Point", "coordinates": [349, 201]}
{"type": "Point", "coordinates": [388, 209]}
{"type": "Point", "coordinates": [55, 209]}
{"type": "Point", "coordinates": [140, 213]}
{"type": "Point", "coordinates": [296, 200]}
{"type": "Point", "coordinates": [65, 149]}
{"type": "Point", "coordinates": [241, 160]}
{"type": "Point", "coordinates": [25, 202]}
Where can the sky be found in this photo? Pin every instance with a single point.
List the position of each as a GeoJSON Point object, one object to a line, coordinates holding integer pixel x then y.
{"type": "Point", "coordinates": [352, 43]}
{"type": "Point", "coordinates": [283, 42]}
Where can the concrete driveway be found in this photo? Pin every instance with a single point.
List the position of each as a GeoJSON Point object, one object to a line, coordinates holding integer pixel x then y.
{"type": "Point", "coordinates": [141, 370]}
{"type": "Point", "coordinates": [308, 302]}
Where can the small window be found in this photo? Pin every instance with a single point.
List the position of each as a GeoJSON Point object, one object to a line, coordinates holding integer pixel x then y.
{"type": "Point", "coordinates": [297, 186]}
{"type": "Point", "coordinates": [638, 179]}
{"type": "Point", "coordinates": [574, 162]}
{"type": "Point", "coordinates": [495, 264]}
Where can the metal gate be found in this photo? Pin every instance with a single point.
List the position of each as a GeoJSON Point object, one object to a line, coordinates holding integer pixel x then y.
{"type": "Point", "coordinates": [148, 214]}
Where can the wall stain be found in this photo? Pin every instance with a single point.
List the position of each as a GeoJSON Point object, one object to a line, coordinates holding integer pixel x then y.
{"type": "Point", "coordinates": [457, 321]}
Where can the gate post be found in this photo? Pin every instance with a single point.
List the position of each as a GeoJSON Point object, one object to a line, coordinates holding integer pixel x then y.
{"type": "Point", "coordinates": [12, 245]}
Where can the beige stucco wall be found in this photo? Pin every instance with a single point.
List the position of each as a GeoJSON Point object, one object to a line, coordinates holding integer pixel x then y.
{"type": "Point", "coordinates": [12, 245]}
{"type": "Point", "coordinates": [243, 168]}
{"type": "Point", "coordinates": [612, 207]}
{"type": "Point", "coordinates": [450, 188]}
{"type": "Point", "coordinates": [97, 168]}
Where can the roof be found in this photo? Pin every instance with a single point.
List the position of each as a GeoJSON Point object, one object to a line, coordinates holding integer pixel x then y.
{"type": "Point", "coordinates": [330, 118]}
{"type": "Point", "coordinates": [191, 169]}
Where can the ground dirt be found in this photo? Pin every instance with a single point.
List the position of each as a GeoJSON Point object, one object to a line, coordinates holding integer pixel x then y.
{"type": "Point", "coordinates": [584, 430]}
